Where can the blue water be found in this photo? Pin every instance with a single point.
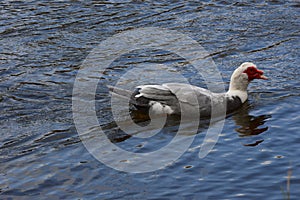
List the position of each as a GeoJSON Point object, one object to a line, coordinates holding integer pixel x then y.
{"type": "Point", "coordinates": [43, 46]}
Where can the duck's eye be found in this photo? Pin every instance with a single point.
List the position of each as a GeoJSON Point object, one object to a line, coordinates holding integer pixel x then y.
{"type": "Point", "coordinates": [251, 69]}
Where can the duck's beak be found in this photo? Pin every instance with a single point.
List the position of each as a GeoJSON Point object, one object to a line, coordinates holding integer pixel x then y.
{"type": "Point", "coordinates": [261, 76]}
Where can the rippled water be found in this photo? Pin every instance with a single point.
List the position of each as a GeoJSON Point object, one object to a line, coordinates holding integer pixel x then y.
{"type": "Point", "coordinates": [43, 44]}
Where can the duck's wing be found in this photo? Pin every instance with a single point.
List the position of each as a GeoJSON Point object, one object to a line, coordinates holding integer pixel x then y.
{"type": "Point", "coordinates": [178, 97]}
{"type": "Point", "coordinates": [158, 97]}
{"type": "Point", "coordinates": [190, 94]}
{"type": "Point", "coordinates": [194, 98]}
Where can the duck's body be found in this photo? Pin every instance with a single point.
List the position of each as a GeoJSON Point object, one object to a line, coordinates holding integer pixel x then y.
{"type": "Point", "coordinates": [167, 98]}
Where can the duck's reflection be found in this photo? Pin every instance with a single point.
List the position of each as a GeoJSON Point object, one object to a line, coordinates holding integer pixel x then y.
{"type": "Point", "coordinates": [250, 125]}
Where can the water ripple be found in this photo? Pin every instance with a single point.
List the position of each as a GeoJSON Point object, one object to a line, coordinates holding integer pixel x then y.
{"type": "Point", "coordinates": [43, 46]}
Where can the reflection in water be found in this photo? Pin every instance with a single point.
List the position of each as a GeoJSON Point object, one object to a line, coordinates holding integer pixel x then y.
{"type": "Point", "coordinates": [249, 125]}
{"type": "Point", "coordinates": [142, 119]}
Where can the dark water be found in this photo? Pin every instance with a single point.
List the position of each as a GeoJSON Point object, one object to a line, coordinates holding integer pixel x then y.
{"type": "Point", "coordinates": [43, 44]}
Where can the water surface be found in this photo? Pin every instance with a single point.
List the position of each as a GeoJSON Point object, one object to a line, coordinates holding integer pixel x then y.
{"type": "Point", "coordinates": [42, 47]}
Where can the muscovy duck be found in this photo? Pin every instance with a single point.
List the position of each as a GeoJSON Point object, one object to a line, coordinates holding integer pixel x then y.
{"type": "Point", "coordinates": [167, 98]}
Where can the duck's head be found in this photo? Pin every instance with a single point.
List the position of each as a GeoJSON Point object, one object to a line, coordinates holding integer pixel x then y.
{"type": "Point", "coordinates": [244, 74]}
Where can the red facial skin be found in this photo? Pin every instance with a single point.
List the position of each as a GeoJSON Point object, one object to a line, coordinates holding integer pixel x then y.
{"type": "Point", "coordinates": [254, 73]}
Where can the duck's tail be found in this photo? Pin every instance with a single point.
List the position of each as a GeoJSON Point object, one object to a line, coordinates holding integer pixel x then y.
{"type": "Point", "coordinates": [119, 92]}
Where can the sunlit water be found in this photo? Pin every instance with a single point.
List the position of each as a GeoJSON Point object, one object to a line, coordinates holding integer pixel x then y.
{"type": "Point", "coordinates": [42, 47]}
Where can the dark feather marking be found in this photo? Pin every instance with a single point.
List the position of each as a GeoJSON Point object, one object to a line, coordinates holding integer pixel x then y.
{"type": "Point", "coordinates": [166, 98]}
{"type": "Point", "coordinates": [233, 104]}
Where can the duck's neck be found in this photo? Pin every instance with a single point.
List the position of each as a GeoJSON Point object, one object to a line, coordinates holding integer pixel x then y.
{"type": "Point", "coordinates": [238, 88]}
{"type": "Point", "coordinates": [238, 83]}
{"type": "Point", "coordinates": [243, 95]}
